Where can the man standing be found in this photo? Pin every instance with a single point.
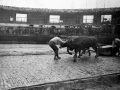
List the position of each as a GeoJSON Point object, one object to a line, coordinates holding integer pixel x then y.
{"type": "Point", "coordinates": [53, 44]}
{"type": "Point", "coordinates": [116, 46]}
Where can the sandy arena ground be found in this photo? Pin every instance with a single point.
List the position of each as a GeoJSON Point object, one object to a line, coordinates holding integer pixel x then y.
{"type": "Point", "coordinates": [32, 64]}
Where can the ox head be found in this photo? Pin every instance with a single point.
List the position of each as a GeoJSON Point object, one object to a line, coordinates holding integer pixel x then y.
{"type": "Point", "coordinates": [68, 44]}
{"type": "Point", "coordinates": [65, 44]}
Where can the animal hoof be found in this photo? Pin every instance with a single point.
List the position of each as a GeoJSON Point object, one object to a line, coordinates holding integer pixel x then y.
{"type": "Point", "coordinates": [96, 56]}
{"type": "Point", "coordinates": [70, 53]}
{"type": "Point", "coordinates": [89, 54]}
{"type": "Point", "coordinates": [74, 60]}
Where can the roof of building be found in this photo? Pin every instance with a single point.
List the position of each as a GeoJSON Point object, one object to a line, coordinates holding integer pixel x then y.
{"type": "Point", "coordinates": [113, 9]}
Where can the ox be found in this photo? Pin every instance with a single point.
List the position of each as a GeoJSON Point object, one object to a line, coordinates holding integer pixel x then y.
{"type": "Point", "coordinates": [81, 43]}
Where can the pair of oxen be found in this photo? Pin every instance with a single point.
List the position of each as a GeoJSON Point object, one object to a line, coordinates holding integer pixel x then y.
{"type": "Point", "coordinates": [81, 43]}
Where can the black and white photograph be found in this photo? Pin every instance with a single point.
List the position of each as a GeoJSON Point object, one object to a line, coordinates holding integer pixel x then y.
{"type": "Point", "coordinates": [59, 44]}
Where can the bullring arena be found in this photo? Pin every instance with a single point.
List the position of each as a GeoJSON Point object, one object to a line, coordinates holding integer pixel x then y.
{"type": "Point", "coordinates": [26, 59]}
{"type": "Point", "coordinates": [25, 65]}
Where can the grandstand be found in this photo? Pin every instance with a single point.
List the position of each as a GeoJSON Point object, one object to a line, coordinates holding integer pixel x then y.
{"type": "Point", "coordinates": [22, 21]}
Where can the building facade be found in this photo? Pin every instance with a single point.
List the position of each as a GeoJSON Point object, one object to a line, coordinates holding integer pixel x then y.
{"type": "Point", "coordinates": [60, 17]}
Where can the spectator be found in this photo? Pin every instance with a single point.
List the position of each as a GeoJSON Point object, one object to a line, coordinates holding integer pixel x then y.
{"type": "Point", "coordinates": [116, 46]}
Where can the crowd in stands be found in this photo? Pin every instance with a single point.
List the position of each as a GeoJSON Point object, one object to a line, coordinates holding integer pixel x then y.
{"type": "Point", "coordinates": [67, 30]}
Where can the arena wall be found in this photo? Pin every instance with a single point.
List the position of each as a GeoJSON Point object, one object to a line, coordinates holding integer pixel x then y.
{"type": "Point", "coordinates": [24, 39]}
